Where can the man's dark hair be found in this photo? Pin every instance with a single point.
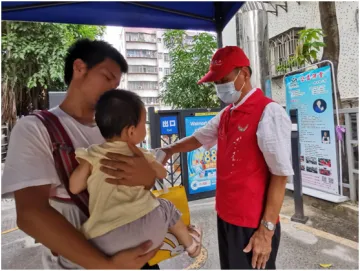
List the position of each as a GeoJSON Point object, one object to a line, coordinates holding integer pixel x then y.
{"type": "Point", "coordinates": [117, 109]}
{"type": "Point", "coordinates": [92, 52]}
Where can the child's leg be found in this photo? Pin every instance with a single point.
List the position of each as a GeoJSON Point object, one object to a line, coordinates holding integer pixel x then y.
{"type": "Point", "coordinates": [190, 236]}
{"type": "Point", "coordinates": [181, 232]}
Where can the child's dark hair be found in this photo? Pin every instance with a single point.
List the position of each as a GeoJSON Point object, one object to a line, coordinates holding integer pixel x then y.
{"type": "Point", "coordinates": [117, 109]}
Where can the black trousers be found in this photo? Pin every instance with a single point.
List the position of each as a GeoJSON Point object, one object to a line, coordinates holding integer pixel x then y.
{"type": "Point", "coordinates": [148, 267]}
{"type": "Point", "coordinates": [232, 241]}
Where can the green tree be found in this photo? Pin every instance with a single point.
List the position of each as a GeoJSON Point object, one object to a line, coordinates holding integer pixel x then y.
{"type": "Point", "coordinates": [309, 45]}
{"type": "Point", "coordinates": [33, 62]}
{"type": "Point", "coordinates": [189, 62]}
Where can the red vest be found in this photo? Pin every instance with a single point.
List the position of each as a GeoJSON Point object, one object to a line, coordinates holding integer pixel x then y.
{"type": "Point", "coordinates": [242, 173]}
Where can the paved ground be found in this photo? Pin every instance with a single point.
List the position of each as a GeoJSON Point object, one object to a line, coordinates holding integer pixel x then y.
{"type": "Point", "coordinates": [302, 246]}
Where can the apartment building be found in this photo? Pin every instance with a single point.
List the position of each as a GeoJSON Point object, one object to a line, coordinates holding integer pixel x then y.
{"type": "Point", "coordinates": [148, 60]}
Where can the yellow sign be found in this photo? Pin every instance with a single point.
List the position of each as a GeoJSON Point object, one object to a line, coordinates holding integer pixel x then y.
{"type": "Point", "coordinates": [206, 114]}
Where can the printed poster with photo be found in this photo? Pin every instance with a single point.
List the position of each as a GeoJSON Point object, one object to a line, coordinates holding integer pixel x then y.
{"type": "Point", "coordinates": [311, 93]}
{"type": "Point", "coordinates": [201, 163]}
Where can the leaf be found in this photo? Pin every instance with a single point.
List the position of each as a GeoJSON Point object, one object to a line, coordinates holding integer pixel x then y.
{"type": "Point", "coordinates": [188, 64]}
{"type": "Point", "coordinates": [313, 54]}
{"type": "Point", "coordinates": [33, 53]}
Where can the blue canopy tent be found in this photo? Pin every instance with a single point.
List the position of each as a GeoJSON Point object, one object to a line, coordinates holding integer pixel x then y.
{"type": "Point", "coordinates": [208, 16]}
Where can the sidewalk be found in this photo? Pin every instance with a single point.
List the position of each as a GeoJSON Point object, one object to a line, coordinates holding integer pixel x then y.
{"type": "Point", "coordinates": [302, 247]}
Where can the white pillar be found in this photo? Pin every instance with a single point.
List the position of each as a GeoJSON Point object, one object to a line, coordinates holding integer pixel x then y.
{"type": "Point", "coordinates": [254, 40]}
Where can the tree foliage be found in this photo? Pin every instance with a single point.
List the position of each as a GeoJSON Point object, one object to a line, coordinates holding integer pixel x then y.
{"type": "Point", "coordinates": [33, 62]}
{"type": "Point", "coordinates": [189, 62]}
{"type": "Point", "coordinates": [309, 45]}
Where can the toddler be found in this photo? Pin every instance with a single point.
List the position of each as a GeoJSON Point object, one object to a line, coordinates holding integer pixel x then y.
{"type": "Point", "coordinates": [123, 217]}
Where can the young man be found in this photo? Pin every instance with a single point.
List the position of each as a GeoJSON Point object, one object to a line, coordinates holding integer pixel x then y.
{"type": "Point", "coordinates": [44, 210]}
{"type": "Point", "coordinates": [253, 163]}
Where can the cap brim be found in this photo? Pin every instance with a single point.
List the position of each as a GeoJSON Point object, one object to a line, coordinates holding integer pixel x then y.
{"type": "Point", "coordinates": [211, 76]}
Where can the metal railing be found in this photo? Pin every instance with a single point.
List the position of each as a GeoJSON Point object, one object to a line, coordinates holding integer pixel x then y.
{"type": "Point", "coordinates": [351, 149]}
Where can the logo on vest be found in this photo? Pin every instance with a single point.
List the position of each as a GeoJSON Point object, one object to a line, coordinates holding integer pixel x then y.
{"type": "Point", "coordinates": [243, 129]}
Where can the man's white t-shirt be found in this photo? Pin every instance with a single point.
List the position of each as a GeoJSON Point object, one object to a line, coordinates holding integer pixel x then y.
{"type": "Point", "coordinates": [30, 161]}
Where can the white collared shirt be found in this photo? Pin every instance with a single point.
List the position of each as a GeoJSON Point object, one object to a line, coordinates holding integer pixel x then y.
{"type": "Point", "coordinates": [273, 136]}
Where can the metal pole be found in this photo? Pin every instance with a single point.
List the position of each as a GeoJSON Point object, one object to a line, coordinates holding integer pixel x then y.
{"type": "Point", "coordinates": [154, 130]}
{"type": "Point", "coordinates": [350, 154]}
{"type": "Point", "coordinates": [220, 45]}
{"type": "Point", "coordinates": [295, 147]}
{"type": "Point", "coordinates": [252, 32]}
{"type": "Point", "coordinates": [219, 38]}
{"type": "Point", "coordinates": [219, 29]}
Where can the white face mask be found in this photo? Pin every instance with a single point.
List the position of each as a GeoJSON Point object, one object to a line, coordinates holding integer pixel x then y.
{"type": "Point", "coordinates": [227, 92]}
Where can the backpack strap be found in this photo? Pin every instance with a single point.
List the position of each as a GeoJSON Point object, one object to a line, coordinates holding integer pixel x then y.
{"type": "Point", "coordinates": [64, 156]}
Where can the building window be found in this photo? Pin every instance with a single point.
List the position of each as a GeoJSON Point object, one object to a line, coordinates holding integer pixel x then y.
{"type": "Point", "coordinates": [142, 69]}
{"type": "Point", "coordinates": [167, 71]}
{"type": "Point", "coordinates": [160, 55]}
{"type": "Point", "coordinates": [143, 85]}
{"type": "Point", "coordinates": [141, 53]}
{"type": "Point", "coordinates": [160, 69]}
{"type": "Point", "coordinates": [159, 40]}
{"type": "Point", "coordinates": [166, 57]}
{"type": "Point", "coordinates": [188, 40]}
{"type": "Point", "coordinates": [282, 48]}
{"type": "Point", "coordinates": [150, 100]}
{"type": "Point", "coordinates": [140, 37]}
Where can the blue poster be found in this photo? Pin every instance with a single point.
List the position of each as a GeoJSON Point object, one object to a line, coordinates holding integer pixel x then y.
{"type": "Point", "coordinates": [201, 163]}
{"type": "Point", "coordinates": [168, 125]}
{"type": "Point", "coordinates": [268, 88]}
{"type": "Point", "coordinates": [311, 93]}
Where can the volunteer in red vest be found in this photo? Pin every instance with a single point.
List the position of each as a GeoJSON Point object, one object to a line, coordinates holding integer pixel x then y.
{"type": "Point", "coordinates": [253, 138]}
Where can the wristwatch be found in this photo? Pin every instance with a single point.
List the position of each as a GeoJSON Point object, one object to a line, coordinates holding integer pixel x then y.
{"type": "Point", "coordinates": [270, 226]}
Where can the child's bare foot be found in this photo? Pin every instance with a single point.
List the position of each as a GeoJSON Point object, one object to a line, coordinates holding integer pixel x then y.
{"type": "Point", "coordinates": [194, 249]}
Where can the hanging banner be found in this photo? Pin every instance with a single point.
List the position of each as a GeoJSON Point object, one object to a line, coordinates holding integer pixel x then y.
{"type": "Point", "coordinates": [311, 93]}
{"type": "Point", "coordinates": [201, 163]}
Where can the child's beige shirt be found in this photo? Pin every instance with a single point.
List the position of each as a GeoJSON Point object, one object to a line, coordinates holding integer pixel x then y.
{"type": "Point", "coordinates": [112, 206]}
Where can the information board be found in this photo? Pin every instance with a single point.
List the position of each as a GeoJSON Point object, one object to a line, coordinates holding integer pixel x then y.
{"type": "Point", "coordinates": [311, 93]}
{"type": "Point", "coordinates": [201, 163]}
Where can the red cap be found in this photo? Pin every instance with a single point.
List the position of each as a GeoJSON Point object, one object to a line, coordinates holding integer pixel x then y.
{"type": "Point", "coordinates": [223, 62]}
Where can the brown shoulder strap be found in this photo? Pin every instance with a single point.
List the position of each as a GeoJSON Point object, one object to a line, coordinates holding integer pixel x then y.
{"type": "Point", "coordinates": [64, 156]}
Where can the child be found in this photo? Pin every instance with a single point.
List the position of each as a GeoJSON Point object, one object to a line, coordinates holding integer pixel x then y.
{"type": "Point", "coordinates": [122, 217]}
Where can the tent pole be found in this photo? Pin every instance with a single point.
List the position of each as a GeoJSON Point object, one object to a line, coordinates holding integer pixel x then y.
{"type": "Point", "coordinates": [220, 45]}
{"type": "Point", "coordinates": [219, 38]}
{"type": "Point", "coordinates": [219, 29]}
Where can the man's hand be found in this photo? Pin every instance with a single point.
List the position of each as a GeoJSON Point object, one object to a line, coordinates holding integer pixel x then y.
{"type": "Point", "coordinates": [128, 170]}
{"type": "Point", "coordinates": [260, 244]}
{"type": "Point", "coordinates": [134, 258]}
{"type": "Point", "coordinates": [168, 155]}
{"type": "Point", "coordinates": [186, 144]}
